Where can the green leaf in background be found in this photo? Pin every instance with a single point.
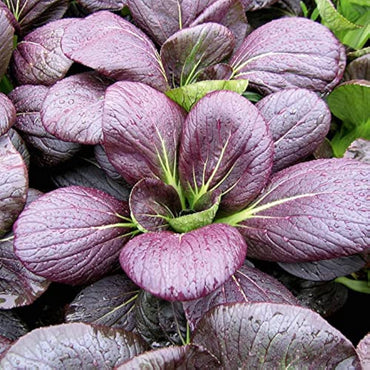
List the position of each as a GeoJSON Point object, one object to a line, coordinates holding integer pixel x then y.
{"type": "Point", "coordinates": [5, 85]}
{"type": "Point", "coordinates": [188, 95]}
{"type": "Point", "coordinates": [350, 103]}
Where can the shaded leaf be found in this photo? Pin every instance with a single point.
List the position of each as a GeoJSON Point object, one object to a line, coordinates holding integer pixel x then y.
{"type": "Point", "coordinates": [363, 351]}
{"type": "Point", "coordinates": [13, 184]}
{"type": "Point", "coordinates": [192, 49]}
{"type": "Point", "coordinates": [308, 56]}
{"type": "Point", "coordinates": [273, 335]}
{"type": "Point", "coordinates": [358, 69]}
{"type": "Point", "coordinates": [71, 235]}
{"type": "Point", "coordinates": [73, 108]}
{"type": "Point", "coordinates": [74, 345]}
{"type": "Point", "coordinates": [225, 146]}
{"type": "Point", "coordinates": [360, 150]}
{"type": "Point", "coordinates": [38, 58]}
{"type": "Point", "coordinates": [96, 5]}
{"type": "Point", "coordinates": [12, 327]}
{"type": "Point", "coordinates": [141, 128]}
{"type": "Point", "coordinates": [109, 301]}
{"type": "Point", "coordinates": [6, 38]}
{"type": "Point", "coordinates": [188, 95]}
{"type": "Point", "coordinates": [298, 121]}
{"type": "Point", "coordinates": [247, 285]}
{"type": "Point", "coordinates": [114, 47]}
{"type": "Point", "coordinates": [185, 266]}
{"type": "Point", "coordinates": [311, 211]}
{"type": "Point", "coordinates": [7, 114]}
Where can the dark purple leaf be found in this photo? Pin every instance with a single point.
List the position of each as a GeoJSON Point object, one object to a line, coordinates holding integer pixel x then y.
{"type": "Point", "coordinates": [11, 326]}
{"type": "Point", "coordinates": [226, 146]}
{"type": "Point", "coordinates": [13, 184]}
{"type": "Point", "coordinates": [308, 56]}
{"type": "Point", "coordinates": [220, 71]}
{"type": "Point", "coordinates": [152, 202]}
{"type": "Point", "coordinates": [141, 128]}
{"type": "Point", "coordinates": [71, 235]}
{"type": "Point", "coordinates": [190, 50]}
{"type": "Point", "coordinates": [359, 69]}
{"type": "Point", "coordinates": [38, 58]}
{"type": "Point", "coordinates": [272, 335]}
{"type": "Point", "coordinates": [247, 285]}
{"type": "Point", "coordinates": [158, 321]}
{"type": "Point", "coordinates": [96, 5]}
{"type": "Point", "coordinates": [325, 270]}
{"type": "Point", "coordinates": [20, 146]}
{"type": "Point", "coordinates": [109, 301]}
{"type": "Point", "coordinates": [35, 13]}
{"type": "Point", "coordinates": [360, 150]}
{"type": "Point", "coordinates": [253, 5]}
{"type": "Point", "coordinates": [86, 172]}
{"type": "Point", "coordinates": [298, 121]}
{"type": "Point", "coordinates": [47, 149]}
{"type": "Point", "coordinates": [73, 108]}
{"type": "Point", "coordinates": [184, 266]}
{"type": "Point", "coordinates": [114, 47]}
{"type": "Point", "coordinates": [6, 38]}
{"type": "Point", "coordinates": [311, 211]}
{"type": "Point", "coordinates": [5, 344]}
{"type": "Point", "coordinates": [184, 357]}
{"type": "Point", "coordinates": [75, 345]}
{"type": "Point", "coordinates": [363, 351]}
{"type": "Point", "coordinates": [7, 114]}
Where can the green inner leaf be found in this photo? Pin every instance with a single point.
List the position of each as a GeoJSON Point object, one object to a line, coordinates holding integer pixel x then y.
{"type": "Point", "coordinates": [188, 95]}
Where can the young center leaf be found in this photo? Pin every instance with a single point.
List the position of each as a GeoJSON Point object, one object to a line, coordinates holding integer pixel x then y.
{"type": "Point", "coordinates": [308, 212]}
{"type": "Point", "coordinates": [179, 267]}
{"type": "Point", "coordinates": [308, 56]}
{"type": "Point", "coordinates": [80, 236]}
{"type": "Point", "coordinates": [225, 146]}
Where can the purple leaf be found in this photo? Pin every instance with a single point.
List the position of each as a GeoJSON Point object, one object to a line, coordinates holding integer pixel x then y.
{"type": "Point", "coordinates": [71, 235]}
{"type": "Point", "coordinates": [5, 344]}
{"type": "Point", "coordinates": [192, 49]}
{"type": "Point", "coordinates": [360, 150]}
{"type": "Point", "coordinates": [11, 326]}
{"type": "Point", "coordinates": [47, 149]}
{"type": "Point", "coordinates": [325, 270]}
{"type": "Point", "coordinates": [184, 266]}
{"type": "Point", "coordinates": [247, 285]}
{"type": "Point", "coordinates": [311, 211]}
{"type": "Point", "coordinates": [252, 5]}
{"type": "Point", "coordinates": [359, 69]}
{"type": "Point", "coordinates": [298, 121]}
{"type": "Point", "coordinates": [114, 47]}
{"type": "Point", "coordinates": [272, 335]}
{"type": "Point", "coordinates": [7, 114]}
{"type": "Point", "coordinates": [20, 146]}
{"type": "Point", "coordinates": [226, 146]}
{"type": "Point", "coordinates": [38, 58]}
{"type": "Point", "coordinates": [74, 345]}
{"type": "Point", "coordinates": [13, 184]}
{"type": "Point", "coordinates": [141, 128]}
{"type": "Point", "coordinates": [363, 351]}
{"type": "Point", "coordinates": [109, 301]}
{"type": "Point", "coordinates": [152, 202]}
{"type": "Point", "coordinates": [6, 38]}
{"type": "Point", "coordinates": [96, 5]}
{"type": "Point", "coordinates": [73, 108]}
{"type": "Point", "coordinates": [35, 13]}
{"type": "Point", "coordinates": [308, 56]}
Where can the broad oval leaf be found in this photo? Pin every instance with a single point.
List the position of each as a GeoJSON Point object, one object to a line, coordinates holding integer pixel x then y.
{"type": "Point", "coordinates": [298, 121]}
{"type": "Point", "coordinates": [104, 163]}
{"type": "Point", "coordinates": [13, 184]}
{"type": "Point", "coordinates": [47, 150]}
{"type": "Point", "coordinates": [20, 146]}
{"type": "Point", "coordinates": [7, 114]}
{"type": "Point", "coordinates": [141, 128]}
{"type": "Point", "coordinates": [188, 95]}
{"type": "Point", "coordinates": [308, 56]}
{"type": "Point", "coordinates": [246, 285]}
{"type": "Point", "coordinates": [6, 38]}
{"type": "Point", "coordinates": [73, 108]}
{"type": "Point", "coordinates": [71, 235]}
{"type": "Point", "coordinates": [311, 211]}
{"type": "Point", "coordinates": [74, 345]}
{"type": "Point", "coordinates": [225, 146]}
{"type": "Point", "coordinates": [183, 266]}
{"type": "Point", "coordinates": [114, 47]}
{"type": "Point", "coordinates": [96, 5]}
{"type": "Point", "coordinates": [325, 270]}
{"type": "Point", "coordinates": [363, 351]}
{"type": "Point", "coordinates": [38, 58]}
{"type": "Point", "coordinates": [192, 49]}
{"type": "Point", "coordinates": [109, 301]}
{"type": "Point", "coordinates": [152, 203]}
{"type": "Point", "coordinates": [272, 335]}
